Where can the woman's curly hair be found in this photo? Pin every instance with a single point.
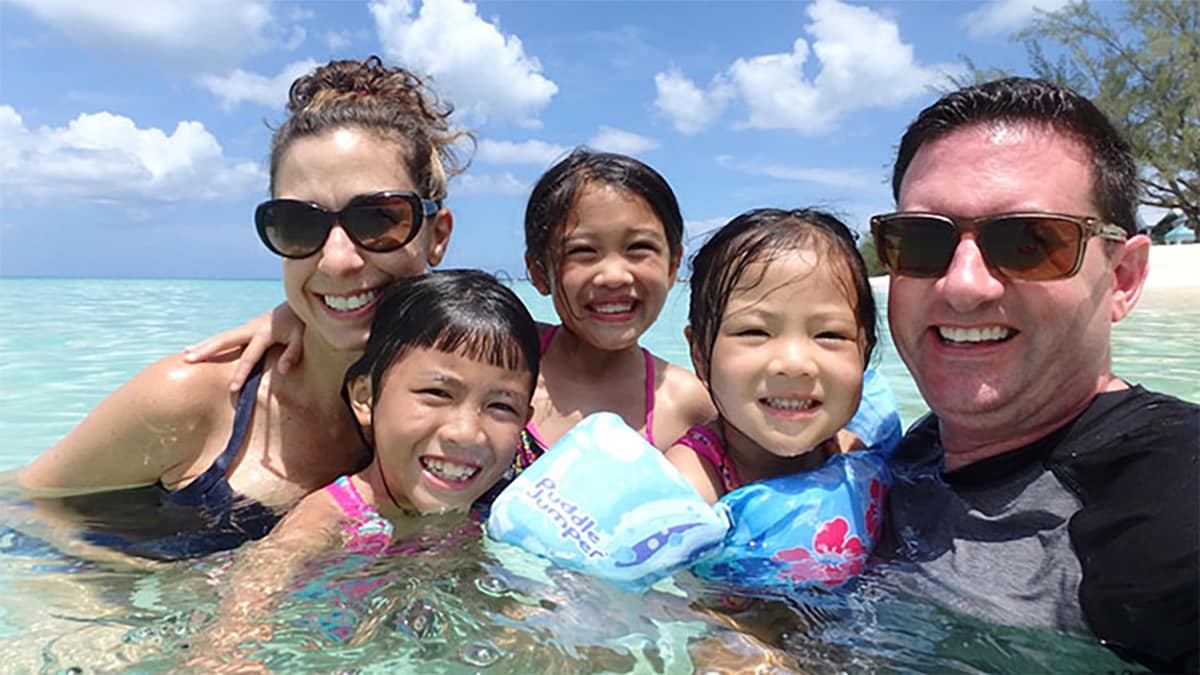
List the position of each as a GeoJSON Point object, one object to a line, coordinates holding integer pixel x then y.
{"type": "Point", "coordinates": [390, 101]}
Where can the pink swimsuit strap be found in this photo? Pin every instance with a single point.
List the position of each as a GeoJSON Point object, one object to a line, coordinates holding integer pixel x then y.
{"type": "Point", "coordinates": [706, 443]}
{"type": "Point", "coordinates": [649, 435]}
{"type": "Point", "coordinates": [366, 530]}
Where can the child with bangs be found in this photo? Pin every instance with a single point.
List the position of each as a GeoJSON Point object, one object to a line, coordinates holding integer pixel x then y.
{"type": "Point", "coordinates": [440, 395]}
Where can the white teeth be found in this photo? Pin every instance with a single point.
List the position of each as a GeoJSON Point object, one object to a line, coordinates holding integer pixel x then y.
{"type": "Point", "coordinates": [348, 303]}
{"type": "Point", "coordinates": [450, 471]}
{"type": "Point", "coordinates": [790, 403]}
{"type": "Point", "coordinates": [986, 334]}
{"type": "Point", "coordinates": [613, 307]}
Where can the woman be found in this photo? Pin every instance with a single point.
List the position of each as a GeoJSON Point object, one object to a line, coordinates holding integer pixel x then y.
{"type": "Point", "coordinates": [358, 173]}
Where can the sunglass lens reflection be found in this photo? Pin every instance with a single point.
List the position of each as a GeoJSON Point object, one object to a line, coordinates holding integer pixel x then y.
{"type": "Point", "coordinates": [1031, 248]}
{"type": "Point", "coordinates": [924, 246]}
{"type": "Point", "coordinates": [297, 229]}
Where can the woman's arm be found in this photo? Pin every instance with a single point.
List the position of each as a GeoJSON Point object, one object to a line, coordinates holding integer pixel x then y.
{"type": "Point", "coordinates": [152, 429]}
{"type": "Point", "coordinates": [280, 326]}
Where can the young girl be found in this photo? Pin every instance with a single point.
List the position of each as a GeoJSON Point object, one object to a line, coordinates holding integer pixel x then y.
{"type": "Point", "coordinates": [441, 394]}
{"type": "Point", "coordinates": [781, 329]}
{"type": "Point", "coordinates": [603, 237]}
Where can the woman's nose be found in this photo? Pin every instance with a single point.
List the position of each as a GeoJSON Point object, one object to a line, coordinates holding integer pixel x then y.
{"type": "Point", "coordinates": [340, 256]}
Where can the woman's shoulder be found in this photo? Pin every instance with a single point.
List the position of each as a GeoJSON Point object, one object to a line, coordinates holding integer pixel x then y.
{"type": "Point", "coordinates": [172, 387]}
{"type": "Point", "coordinates": [142, 433]}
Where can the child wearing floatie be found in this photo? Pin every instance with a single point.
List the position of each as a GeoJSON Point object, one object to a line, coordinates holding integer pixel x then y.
{"type": "Point", "coordinates": [781, 327]}
{"type": "Point", "coordinates": [603, 239]}
{"type": "Point", "coordinates": [441, 393]}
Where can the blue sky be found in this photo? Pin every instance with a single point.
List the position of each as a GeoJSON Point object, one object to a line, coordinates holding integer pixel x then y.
{"type": "Point", "coordinates": [133, 133]}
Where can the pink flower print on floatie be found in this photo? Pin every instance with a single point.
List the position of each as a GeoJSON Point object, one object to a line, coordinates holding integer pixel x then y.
{"type": "Point", "coordinates": [834, 559]}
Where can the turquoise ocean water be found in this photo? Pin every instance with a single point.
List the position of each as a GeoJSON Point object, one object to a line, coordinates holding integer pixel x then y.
{"type": "Point", "coordinates": [66, 343]}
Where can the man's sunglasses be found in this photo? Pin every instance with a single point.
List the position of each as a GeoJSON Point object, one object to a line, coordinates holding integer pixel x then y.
{"type": "Point", "coordinates": [380, 222]}
{"type": "Point", "coordinates": [1017, 246]}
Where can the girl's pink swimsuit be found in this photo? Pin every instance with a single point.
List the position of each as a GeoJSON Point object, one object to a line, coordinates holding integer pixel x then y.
{"type": "Point", "coordinates": [366, 531]}
{"type": "Point", "coordinates": [706, 443]}
{"type": "Point", "coordinates": [532, 446]}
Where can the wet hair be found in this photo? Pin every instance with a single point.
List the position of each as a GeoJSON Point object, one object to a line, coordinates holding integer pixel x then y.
{"type": "Point", "coordinates": [1038, 103]}
{"type": "Point", "coordinates": [554, 195]}
{"type": "Point", "coordinates": [463, 312]}
{"type": "Point", "coordinates": [763, 235]}
{"type": "Point", "coordinates": [389, 101]}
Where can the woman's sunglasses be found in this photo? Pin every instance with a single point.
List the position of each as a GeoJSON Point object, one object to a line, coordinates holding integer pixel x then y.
{"type": "Point", "coordinates": [380, 222]}
{"type": "Point", "coordinates": [1017, 246]}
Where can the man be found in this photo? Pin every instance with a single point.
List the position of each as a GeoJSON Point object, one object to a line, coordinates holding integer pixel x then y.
{"type": "Point", "coordinates": [1042, 490]}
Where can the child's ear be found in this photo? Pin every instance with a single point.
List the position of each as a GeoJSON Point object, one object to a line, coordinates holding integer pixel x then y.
{"type": "Point", "coordinates": [360, 401]}
{"type": "Point", "coordinates": [529, 414]}
{"type": "Point", "coordinates": [673, 270]}
{"type": "Point", "coordinates": [537, 274]}
{"type": "Point", "coordinates": [698, 363]}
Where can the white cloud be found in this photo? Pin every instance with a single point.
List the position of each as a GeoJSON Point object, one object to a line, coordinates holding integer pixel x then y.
{"type": "Point", "coordinates": [861, 63]}
{"type": "Point", "coordinates": [1006, 16]}
{"type": "Point", "coordinates": [197, 32]}
{"type": "Point", "coordinates": [691, 109]}
{"type": "Point", "coordinates": [528, 152]}
{"type": "Point", "coordinates": [697, 231]}
{"type": "Point", "coordinates": [488, 184]}
{"type": "Point", "coordinates": [839, 178]}
{"type": "Point", "coordinates": [239, 85]}
{"type": "Point", "coordinates": [609, 139]}
{"type": "Point", "coordinates": [484, 72]}
{"type": "Point", "coordinates": [106, 157]}
{"type": "Point", "coordinates": [336, 40]}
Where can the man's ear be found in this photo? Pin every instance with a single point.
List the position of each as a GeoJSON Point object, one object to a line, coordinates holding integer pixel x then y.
{"type": "Point", "coordinates": [537, 274]}
{"type": "Point", "coordinates": [698, 364]}
{"type": "Point", "coordinates": [1131, 265]}
{"type": "Point", "coordinates": [360, 402]}
{"type": "Point", "coordinates": [439, 237]}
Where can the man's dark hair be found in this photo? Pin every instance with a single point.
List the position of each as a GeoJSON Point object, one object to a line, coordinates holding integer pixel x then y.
{"type": "Point", "coordinates": [1037, 102]}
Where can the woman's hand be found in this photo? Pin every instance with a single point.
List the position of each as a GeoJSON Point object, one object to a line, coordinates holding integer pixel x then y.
{"type": "Point", "coordinates": [254, 338]}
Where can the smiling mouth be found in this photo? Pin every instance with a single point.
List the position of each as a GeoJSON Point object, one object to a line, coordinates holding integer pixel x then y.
{"type": "Point", "coordinates": [789, 403]}
{"type": "Point", "coordinates": [348, 303]}
{"type": "Point", "coordinates": [451, 472]}
{"type": "Point", "coordinates": [613, 307]}
{"type": "Point", "coordinates": [982, 335]}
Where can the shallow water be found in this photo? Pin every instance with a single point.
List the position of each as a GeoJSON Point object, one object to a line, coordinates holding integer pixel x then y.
{"type": "Point", "coordinates": [470, 606]}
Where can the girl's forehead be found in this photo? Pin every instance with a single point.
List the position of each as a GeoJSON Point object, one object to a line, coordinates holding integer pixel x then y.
{"type": "Point", "coordinates": [600, 205]}
{"type": "Point", "coordinates": [806, 270]}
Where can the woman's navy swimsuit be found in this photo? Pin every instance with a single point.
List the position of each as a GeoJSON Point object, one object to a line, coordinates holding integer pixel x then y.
{"type": "Point", "coordinates": [201, 518]}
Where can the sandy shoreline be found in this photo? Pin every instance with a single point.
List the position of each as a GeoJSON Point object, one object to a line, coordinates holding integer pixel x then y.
{"type": "Point", "coordinates": [1174, 276]}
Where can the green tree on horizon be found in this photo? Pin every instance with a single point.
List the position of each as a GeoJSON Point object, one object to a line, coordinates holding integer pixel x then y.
{"type": "Point", "coordinates": [1143, 70]}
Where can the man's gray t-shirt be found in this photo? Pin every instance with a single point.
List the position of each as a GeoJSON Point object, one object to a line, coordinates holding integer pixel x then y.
{"type": "Point", "coordinates": [1091, 529]}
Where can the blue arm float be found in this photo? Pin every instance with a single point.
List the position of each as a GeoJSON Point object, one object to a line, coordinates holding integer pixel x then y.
{"type": "Point", "coordinates": [810, 528]}
{"type": "Point", "coordinates": [816, 527]}
{"type": "Point", "coordinates": [877, 420]}
{"type": "Point", "coordinates": [604, 501]}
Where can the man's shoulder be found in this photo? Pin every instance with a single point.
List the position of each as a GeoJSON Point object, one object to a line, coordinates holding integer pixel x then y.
{"type": "Point", "coordinates": [1133, 422]}
{"type": "Point", "coordinates": [1130, 438]}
